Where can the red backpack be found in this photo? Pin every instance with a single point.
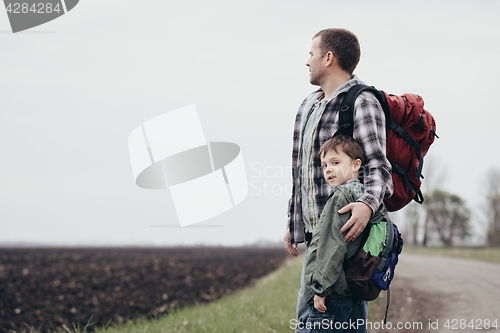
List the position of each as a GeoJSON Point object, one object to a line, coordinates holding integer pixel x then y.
{"type": "Point", "coordinates": [410, 132]}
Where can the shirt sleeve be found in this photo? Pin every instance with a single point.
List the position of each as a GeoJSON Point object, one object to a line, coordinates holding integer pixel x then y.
{"type": "Point", "coordinates": [289, 208]}
{"type": "Point", "coordinates": [369, 129]}
{"type": "Point", "coordinates": [330, 252]}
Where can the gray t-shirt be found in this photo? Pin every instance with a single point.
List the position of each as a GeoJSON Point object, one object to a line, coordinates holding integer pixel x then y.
{"type": "Point", "coordinates": [308, 131]}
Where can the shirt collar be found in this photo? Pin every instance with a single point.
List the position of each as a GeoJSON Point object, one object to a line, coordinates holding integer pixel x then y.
{"type": "Point", "coordinates": [346, 86]}
{"type": "Point", "coordinates": [342, 89]}
{"type": "Point", "coordinates": [347, 182]}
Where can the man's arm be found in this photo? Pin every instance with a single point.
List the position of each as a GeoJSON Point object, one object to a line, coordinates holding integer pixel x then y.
{"type": "Point", "coordinates": [369, 130]}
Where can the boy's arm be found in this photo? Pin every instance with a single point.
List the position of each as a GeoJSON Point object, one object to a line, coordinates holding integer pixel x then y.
{"type": "Point", "coordinates": [331, 251]}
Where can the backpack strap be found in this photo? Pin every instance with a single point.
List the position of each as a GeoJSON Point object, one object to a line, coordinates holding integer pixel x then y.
{"type": "Point", "coordinates": [396, 168]}
{"type": "Point", "coordinates": [389, 242]}
{"type": "Point", "coordinates": [387, 304]}
{"type": "Point", "coordinates": [419, 197]}
{"type": "Point", "coordinates": [346, 110]}
{"type": "Point", "coordinates": [411, 141]}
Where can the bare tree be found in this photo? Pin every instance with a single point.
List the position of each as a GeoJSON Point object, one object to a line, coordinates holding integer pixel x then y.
{"type": "Point", "coordinates": [448, 216]}
{"type": "Point", "coordinates": [493, 206]}
{"type": "Point", "coordinates": [435, 177]}
{"type": "Point", "coordinates": [435, 172]}
{"type": "Point", "coordinates": [412, 216]}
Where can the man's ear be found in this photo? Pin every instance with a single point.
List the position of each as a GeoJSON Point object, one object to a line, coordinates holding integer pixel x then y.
{"type": "Point", "coordinates": [357, 164]}
{"type": "Point", "coordinates": [329, 58]}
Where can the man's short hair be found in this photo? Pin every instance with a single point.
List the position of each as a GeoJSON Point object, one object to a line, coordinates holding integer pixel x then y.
{"type": "Point", "coordinates": [343, 44]}
{"type": "Point", "coordinates": [344, 143]}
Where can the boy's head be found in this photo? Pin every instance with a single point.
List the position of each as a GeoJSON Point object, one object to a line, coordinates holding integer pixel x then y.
{"type": "Point", "coordinates": [341, 158]}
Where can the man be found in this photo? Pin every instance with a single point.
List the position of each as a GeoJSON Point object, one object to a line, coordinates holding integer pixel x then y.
{"type": "Point", "coordinates": [334, 55]}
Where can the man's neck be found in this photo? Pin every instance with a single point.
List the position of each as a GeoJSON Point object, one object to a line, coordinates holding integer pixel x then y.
{"type": "Point", "coordinates": [333, 83]}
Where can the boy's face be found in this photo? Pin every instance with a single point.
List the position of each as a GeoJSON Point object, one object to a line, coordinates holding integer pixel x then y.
{"type": "Point", "coordinates": [338, 167]}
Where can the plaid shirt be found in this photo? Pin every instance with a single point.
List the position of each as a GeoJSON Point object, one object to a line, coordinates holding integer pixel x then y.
{"type": "Point", "coordinates": [369, 129]}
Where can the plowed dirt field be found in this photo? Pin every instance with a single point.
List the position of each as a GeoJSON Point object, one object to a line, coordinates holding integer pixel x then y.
{"type": "Point", "coordinates": [46, 287]}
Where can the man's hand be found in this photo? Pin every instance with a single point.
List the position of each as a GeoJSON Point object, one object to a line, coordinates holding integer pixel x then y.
{"type": "Point", "coordinates": [361, 214]}
{"type": "Point", "coordinates": [291, 248]}
{"type": "Point", "coordinates": [319, 303]}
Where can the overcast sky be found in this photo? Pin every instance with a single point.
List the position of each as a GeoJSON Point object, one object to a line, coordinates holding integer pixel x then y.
{"type": "Point", "coordinates": [73, 89]}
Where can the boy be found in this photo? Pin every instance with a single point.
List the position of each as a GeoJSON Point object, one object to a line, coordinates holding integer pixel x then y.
{"type": "Point", "coordinates": [331, 305]}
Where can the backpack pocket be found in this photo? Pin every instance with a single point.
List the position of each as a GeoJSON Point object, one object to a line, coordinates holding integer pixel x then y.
{"type": "Point", "coordinates": [359, 276]}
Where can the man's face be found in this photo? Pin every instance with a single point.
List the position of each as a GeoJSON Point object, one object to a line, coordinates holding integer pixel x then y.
{"type": "Point", "coordinates": [338, 167]}
{"type": "Point", "coordinates": [315, 63]}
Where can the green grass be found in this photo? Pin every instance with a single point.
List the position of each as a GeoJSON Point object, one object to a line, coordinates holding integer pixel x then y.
{"type": "Point", "coordinates": [491, 254]}
{"type": "Point", "coordinates": [268, 306]}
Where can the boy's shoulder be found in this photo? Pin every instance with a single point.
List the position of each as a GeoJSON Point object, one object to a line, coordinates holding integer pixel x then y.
{"type": "Point", "coordinates": [352, 190]}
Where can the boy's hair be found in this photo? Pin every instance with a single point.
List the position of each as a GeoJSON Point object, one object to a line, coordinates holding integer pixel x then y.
{"type": "Point", "coordinates": [346, 144]}
{"type": "Point", "coordinates": [343, 44]}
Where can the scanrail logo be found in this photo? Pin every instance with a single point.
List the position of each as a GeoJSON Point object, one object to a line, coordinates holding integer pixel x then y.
{"type": "Point", "coordinates": [205, 178]}
{"type": "Point", "coordinates": [26, 14]}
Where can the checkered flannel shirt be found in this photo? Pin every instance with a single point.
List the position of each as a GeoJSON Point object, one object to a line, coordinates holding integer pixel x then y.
{"type": "Point", "coordinates": [369, 129]}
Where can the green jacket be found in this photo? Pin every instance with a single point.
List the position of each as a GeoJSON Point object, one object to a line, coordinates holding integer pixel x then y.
{"type": "Point", "coordinates": [324, 273]}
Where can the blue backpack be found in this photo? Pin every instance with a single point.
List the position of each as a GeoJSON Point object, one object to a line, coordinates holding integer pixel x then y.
{"type": "Point", "coordinates": [372, 268]}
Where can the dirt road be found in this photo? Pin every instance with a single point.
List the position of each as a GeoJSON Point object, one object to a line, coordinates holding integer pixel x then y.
{"type": "Point", "coordinates": [438, 294]}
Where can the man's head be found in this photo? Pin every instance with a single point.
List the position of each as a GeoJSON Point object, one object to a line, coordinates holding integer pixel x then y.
{"type": "Point", "coordinates": [341, 159]}
{"type": "Point", "coordinates": [330, 45]}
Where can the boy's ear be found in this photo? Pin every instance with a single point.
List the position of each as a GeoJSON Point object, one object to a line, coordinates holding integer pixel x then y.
{"type": "Point", "coordinates": [357, 164]}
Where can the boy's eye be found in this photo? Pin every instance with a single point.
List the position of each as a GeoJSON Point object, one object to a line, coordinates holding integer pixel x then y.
{"type": "Point", "coordinates": [335, 162]}
{"type": "Point", "coordinates": [324, 166]}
